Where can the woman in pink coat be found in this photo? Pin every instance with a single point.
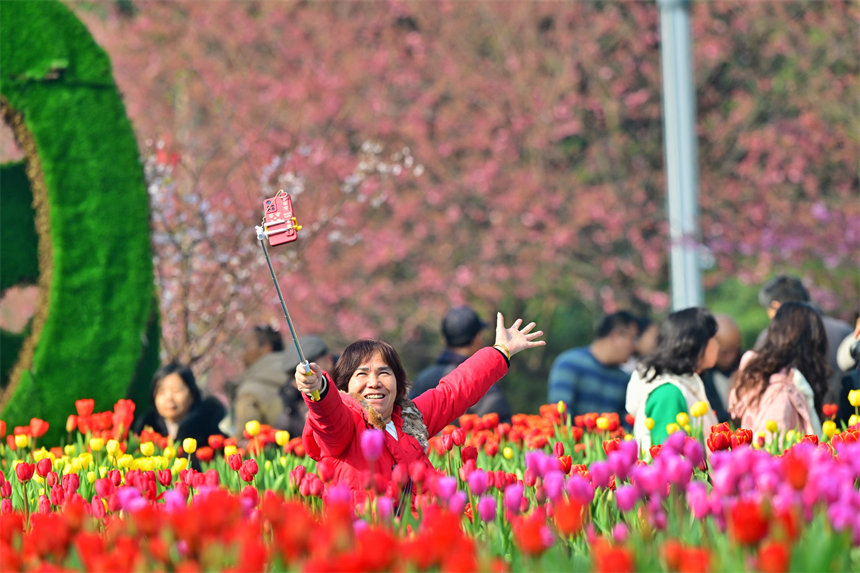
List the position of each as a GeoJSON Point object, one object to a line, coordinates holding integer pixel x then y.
{"type": "Point", "coordinates": [368, 389]}
{"type": "Point", "coordinates": [786, 379]}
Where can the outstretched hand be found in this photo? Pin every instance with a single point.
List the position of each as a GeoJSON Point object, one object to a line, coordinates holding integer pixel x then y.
{"type": "Point", "coordinates": [515, 338]}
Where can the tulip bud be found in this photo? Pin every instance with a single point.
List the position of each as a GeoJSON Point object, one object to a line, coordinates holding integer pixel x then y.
{"type": "Point", "coordinates": [180, 464]}
{"type": "Point", "coordinates": [235, 462]}
{"type": "Point", "coordinates": [252, 428]}
{"type": "Point", "coordinates": [189, 445]}
{"type": "Point", "coordinates": [372, 442]}
{"type": "Point", "coordinates": [97, 444]}
{"type": "Point", "coordinates": [447, 442]}
{"type": "Point", "coordinates": [21, 440]}
{"type": "Point", "coordinates": [828, 428]}
{"type": "Point", "coordinates": [699, 409]}
{"type": "Point", "coordinates": [458, 436]}
{"type": "Point", "coordinates": [113, 448]}
{"type": "Point", "coordinates": [251, 466]}
{"type": "Point", "coordinates": [602, 423]}
{"type": "Point", "coordinates": [649, 424]}
{"type": "Point", "coordinates": [71, 423]}
{"type": "Point", "coordinates": [25, 471]}
{"type": "Point", "coordinates": [683, 419]}
{"type": "Point", "coordinates": [508, 453]}
{"type": "Point", "coordinates": [43, 466]}
{"type": "Point", "coordinates": [282, 437]}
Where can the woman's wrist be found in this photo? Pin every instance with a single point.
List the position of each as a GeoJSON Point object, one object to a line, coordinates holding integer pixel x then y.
{"type": "Point", "coordinates": [504, 350]}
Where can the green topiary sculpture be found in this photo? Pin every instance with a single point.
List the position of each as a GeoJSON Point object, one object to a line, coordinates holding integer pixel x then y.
{"type": "Point", "coordinates": [95, 332]}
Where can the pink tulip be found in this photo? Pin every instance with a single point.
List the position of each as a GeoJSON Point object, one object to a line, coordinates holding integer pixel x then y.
{"type": "Point", "coordinates": [514, 497]}
{"type": "Point", "coordinates": [487, 508]}
{"type": "Point", "coordinates": [372, 442]}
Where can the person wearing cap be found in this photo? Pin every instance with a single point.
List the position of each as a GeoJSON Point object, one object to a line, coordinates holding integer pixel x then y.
{"type": "Point", "coordinates": [462, 330]}
{"type": "Point", "coordinates": [257, 393]}
{"type": "Point", "coordinates": [589, 379]}
{"type": "Point", "coordinates": [293, 408]}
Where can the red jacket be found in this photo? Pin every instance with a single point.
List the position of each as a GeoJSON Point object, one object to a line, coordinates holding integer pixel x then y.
{"type": "Point", "coordinates": [335, 423]}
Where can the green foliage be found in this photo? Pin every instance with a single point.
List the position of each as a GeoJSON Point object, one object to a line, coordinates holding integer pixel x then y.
{"type": "Point", "coordinates": [739, 301]}
{"type": "Point", "coordinates": [59, 81]}
{"type": "Point", "coordinates": [18, 239]}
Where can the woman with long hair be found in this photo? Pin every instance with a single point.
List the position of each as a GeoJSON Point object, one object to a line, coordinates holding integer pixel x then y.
{"type": "Point", "coordinates": [786, 379]}
{"type": "Point", "coordinates": [666, 382]}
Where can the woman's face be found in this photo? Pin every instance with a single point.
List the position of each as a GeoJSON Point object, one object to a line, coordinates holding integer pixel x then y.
{"type": "Point", "coordinates": [374, 381]}
{"type": "Point", "coordinates": [172, 398]}
{"type": "Point", "coordinates": [709, 356]}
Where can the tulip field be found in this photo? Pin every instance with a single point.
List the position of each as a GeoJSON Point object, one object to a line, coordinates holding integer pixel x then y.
{"type": "Point", "coordinates": [542, 493]}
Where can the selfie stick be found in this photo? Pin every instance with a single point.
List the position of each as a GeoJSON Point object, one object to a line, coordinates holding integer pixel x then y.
{"type": "Point", "coordinates": [282, 223]}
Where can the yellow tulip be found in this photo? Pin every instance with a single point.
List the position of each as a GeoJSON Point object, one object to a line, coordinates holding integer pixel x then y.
{"type": "Point", "coordinates": [75, 466]}
{"type": "Point", "coordinates": [22, 440]}
{"type": "Point", "coordinates": [854, 398]}
{"type": "Point", "coordinates": [147, 448]}
{"type": "Point", "coordinates": [41, 454]}
{"type": "Point", "coordinates": [69, 450]}
{"type": "Point", "coordinates": [91, 477]}
{"type": "Point", "coordinates": [672, 428]}
{"type": "Point", "coordinates": [125, 461]}
{"type": "Point", "coordinates": [828, 428]}
{"type": "Point", "coordinates": [113, 448]}
{"type": "Point", "coordinates": [180, 464]}
{"type": "Point", "coordinates": [649, 424]}
{"type": "Point", "coordinates": [86, 459]}
{"type": "Point", "coordinates": [854, 419]}
{"type": "Point", "coordinates": [283, 461]}
{"type": "Point", "coordinates": [252, 427]}
{"type": "Point", "coordinates": [791, 436]}
{"type": "Point", "coordinates": [602, 423]}
{"type": "Point", "coordinates": [561, 406]}
{"type": "Point", "coordinates": [41, 489]}
{"type": "Point", "coordinates": [189, 445]}
{"type": "Point", "coordinates": [97, 444]}
{"type": "Point", "coordinates": [229, 450]}
{"type": "Point", "coordinates": [282, 437]}
{"type": "Point", "coordinates": [628, 437]}
{"type": "Point", "coordinates": [683, 419]}
{"type": "Point", "coordinates": [169, 452]}
{"type": "Point", "coordinates": [103, 470]}
{"type": "Point", "coordinates": [687, 429]}
{"type": "Point", "coordinates": [771, 426]}
{"type": "Point", "coordinates": [508, 452]}
{"type": "Point", "coordinates": [267, 465]}
{"type": "Point", "coordinates": [699, 409]}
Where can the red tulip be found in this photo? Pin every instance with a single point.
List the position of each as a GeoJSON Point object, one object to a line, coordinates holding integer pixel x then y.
{"type": "Point", "coordinates": [235, 462]}
{"type": "Point", "coordinates": [251, 466]}
{"type": "Point", "coordinates": [205, 454]}
{"type": "Point", "coordinates": [459, 437]}
{"type": "Point", "coordinates": [568, 517]}
{"type": "Point", "coordinates": [447, 442]}
{"type": "Point", "coordinates": [747, 523]}
{"type": "Point", "coordinates": [25, 471]}
{"type": "Point", "coordinates": [774, 557]}
{"type": "Point", "coordinates": [216, 441]}
{"type": "Point", "coordinates": [558, 449]}
{"type": "Point", "coordinates": [608, 557]}
{"type": "Point", "coordinates": [2, 428]}
{"type": "Point", "coordinates": [43, 466]}
{"type": "Point", "coordinates": [796, 470]}
{"type": "Point", "coordinates": [84, 407]}
{"type": "Point", "coordinates": [719, 441]}
{"type": "Point", "coordinates": [38, 427]}
{"type": "Point", "coordinates": [829, 410]}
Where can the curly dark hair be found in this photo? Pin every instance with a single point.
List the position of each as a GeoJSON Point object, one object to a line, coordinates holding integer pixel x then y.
{"type": "Point", "coordinates": [681, 340]}
{"type": "Point", "coordinates": [795, 339]}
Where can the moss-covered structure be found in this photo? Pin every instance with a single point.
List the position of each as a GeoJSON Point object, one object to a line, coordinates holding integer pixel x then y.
{"type": "Point", "coordinates": [75, 220]}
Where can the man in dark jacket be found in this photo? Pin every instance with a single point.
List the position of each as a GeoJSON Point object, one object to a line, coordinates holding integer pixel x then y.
{"type": "Point", "coordinates": [462, 330]}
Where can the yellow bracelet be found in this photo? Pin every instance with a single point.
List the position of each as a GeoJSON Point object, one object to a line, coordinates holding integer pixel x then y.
{"type": "Point", "coordinates": [504, 350]}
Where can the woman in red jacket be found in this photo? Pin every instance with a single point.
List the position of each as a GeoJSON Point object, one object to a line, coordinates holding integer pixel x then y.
{"type": "Point", "coordinates": [371, 392]}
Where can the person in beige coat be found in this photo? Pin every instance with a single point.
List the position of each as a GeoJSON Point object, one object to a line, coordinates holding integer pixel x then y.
{"type": "Point", "coordinates": [258, 391]}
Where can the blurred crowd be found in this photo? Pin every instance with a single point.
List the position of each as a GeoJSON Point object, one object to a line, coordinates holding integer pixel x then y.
{"type": "Point", "coordinates": [647, 371]}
